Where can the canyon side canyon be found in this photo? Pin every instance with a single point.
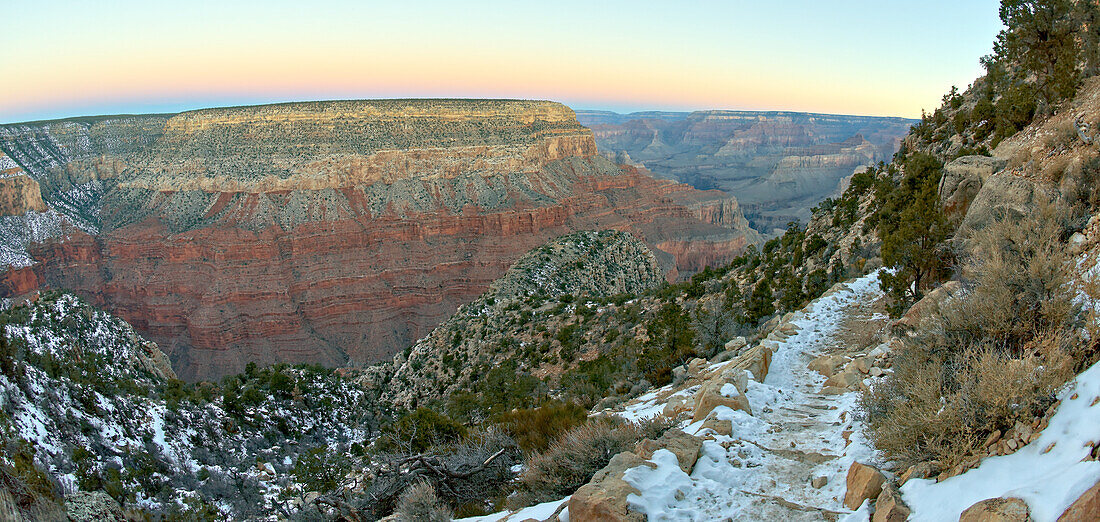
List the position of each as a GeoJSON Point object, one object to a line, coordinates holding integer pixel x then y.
{"type": "Point", "coordinates": [777, 164]}
{"type": "Point", "coordinates": [334, 233]}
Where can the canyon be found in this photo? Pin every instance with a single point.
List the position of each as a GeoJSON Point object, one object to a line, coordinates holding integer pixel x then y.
{"type": "Point", "coordinates": [334, 233]}
{"type": "Point", "coordinates": [778, 164]}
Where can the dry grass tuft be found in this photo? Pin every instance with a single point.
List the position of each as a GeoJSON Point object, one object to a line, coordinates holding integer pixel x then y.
{"type": "Point", "coordinates": [989, 358]}
{"type": "Point", "coordinates": [578, 454]}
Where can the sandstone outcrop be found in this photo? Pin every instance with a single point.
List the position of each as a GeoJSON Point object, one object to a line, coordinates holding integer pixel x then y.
{"type": "Point", "coordinates": [329, 232]}
{"type": "Point", "coordinates": [20, 194]}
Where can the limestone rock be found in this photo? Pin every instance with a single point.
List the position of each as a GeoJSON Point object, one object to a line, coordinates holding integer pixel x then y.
{"type": "Point", "coordinates": [756, 360]}
{"type": "Point", "coordinates": [864, 483]}
{"type": "Point", "coordinates": [675, 406]}
{"type": "Point", "coordinates": [1002, 196]}
{"type": "Point", "coordinates": [848, 378]}
{"type": "Point", "coordinates": [720, 426]}
{"type": "Point", "coordinates": [962, 180]}
{"type": "Point", "coordinates": [826, 364]}
{"type": "Point", "coordinates": [736, 344]}
{"type": "Point", "coordinates": [997, 510]}
{"type": "Point", "coordinates": [737, 377]}
{"type": "Point", "coordinates": [923, 309]}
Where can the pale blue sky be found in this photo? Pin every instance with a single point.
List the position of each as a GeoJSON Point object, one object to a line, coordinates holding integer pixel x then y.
{"type": "Point", "coordinates": [67, 58]}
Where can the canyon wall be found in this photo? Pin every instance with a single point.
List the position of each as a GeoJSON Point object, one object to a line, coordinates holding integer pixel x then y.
{"type": "Point", "coordinates": [777, 164]}
{"type": "Point", "coordinates": [327, 232]}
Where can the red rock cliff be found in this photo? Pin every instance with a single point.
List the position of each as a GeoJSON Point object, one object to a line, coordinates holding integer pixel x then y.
{"type": "Point", "coordinates": [339, 232]}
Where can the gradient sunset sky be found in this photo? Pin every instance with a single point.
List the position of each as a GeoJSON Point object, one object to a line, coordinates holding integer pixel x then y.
{"type": "Point", "coordinates": [881, 57]}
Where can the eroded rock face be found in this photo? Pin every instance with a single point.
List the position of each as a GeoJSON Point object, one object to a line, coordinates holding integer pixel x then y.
{"type": "Point", "coordinates": [19, 194]}
{"type": "Point", "coordinates": [778, 164]}
{"type": "Point", "coordinates": [962, 180]}
{"type": "Point", "coordinates": [604, 497]}
{"type": "Point", "coordinates": [331, 232]}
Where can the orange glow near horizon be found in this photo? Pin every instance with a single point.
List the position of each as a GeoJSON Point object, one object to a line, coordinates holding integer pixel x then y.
{"type": "Point", "coordinates": [140, 59]}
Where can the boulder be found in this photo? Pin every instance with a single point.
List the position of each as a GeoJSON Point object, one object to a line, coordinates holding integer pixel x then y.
{"type": "Point", "coordinates": [920, 470]}
{"type": "Point", "coordinates": [923, 309]}
{"type": "Point", "coordinates": [604, 497]}
{"type": "Point", "coordinates": [737, 377]}
{"type": "Point", "coordinates": [889, 507]}
{"type": "Point", "coordinates": [710, 396]}
{"type": "Point", "coordinates": [1002, 196]}
{"type": "Point", "coordinates": [962, 181]}
{"type": "Point", "coordinates": [756, 360]}
{"type": "Point", "coordinates": [864, 483]}
{"type": "Point", "coordinates": [684, 446]}
{"type": "Point", "coordinates": [848, 378]}
{"type": "Point", "coordinates": [826, 364]}
{"type": "Point", "coordinates": [819, 482]}
{"type": "Point", "coordinates": [720, 426]}
{"type": "Point", "coordinates": [997, 510]}
{"type": "Point", "coordinates": [1086, 507]}
{"type": "Point", "coordinates": [696, 366]}
{"type": "Point", "coordinates": [736, 344]}
{"type": "Point", "coordinates": [675, 406]}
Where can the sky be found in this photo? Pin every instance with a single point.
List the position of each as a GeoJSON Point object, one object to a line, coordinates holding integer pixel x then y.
{"type": "Point", "coordinates": [880, 57]}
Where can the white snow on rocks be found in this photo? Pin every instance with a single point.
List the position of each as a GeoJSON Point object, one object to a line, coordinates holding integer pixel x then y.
{"type": "Point", "coordinates": [762, 471]}
{"type": "Point", "coordinates": [1049, 473]}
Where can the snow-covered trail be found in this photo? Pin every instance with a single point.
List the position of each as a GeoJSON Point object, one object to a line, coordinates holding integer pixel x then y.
{"type": "Point", "coordinates": [763, 470]}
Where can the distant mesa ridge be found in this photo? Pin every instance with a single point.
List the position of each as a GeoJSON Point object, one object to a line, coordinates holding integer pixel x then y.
{"type": "Point", "coordinates": [779, 164]}
{"type": "Point", "coordinates": [325, 232]}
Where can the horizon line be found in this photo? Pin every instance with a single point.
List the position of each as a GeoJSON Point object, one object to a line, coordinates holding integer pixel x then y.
{"type": "Point", "coordinates": [331, 100]}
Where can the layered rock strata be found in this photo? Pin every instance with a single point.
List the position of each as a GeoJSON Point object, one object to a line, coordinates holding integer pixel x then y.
{"type": "Point", "coordinates": [778, 164]}
{"type": "Point", "coordinates": [330, 232]}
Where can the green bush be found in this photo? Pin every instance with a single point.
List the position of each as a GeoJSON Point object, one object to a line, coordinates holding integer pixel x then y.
{"type": "Point", "coordinates": [421, 430]}
{"type": "Point", "coordinates": [913, 230]}
{"type": "Point", "coordinates": [320, 469]}
{"type": "Point", "coordinates": [534, 428]}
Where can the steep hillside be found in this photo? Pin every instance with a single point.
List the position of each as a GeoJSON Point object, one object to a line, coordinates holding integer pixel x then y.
{"type": "Point", "coordinates": [326, 232]}
{"type": "Point", "coordinates": [777, 164]}
{"type": "Point", "coordinates": [97, 408]}
{"type": "Point", "coordinates": [567, 272]}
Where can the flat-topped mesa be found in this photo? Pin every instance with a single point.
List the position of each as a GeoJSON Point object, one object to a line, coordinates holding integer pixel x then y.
{"type": "Point", "coordinates": [326, 232]}
{"type": "Point", "coordinates": [339, 144]}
